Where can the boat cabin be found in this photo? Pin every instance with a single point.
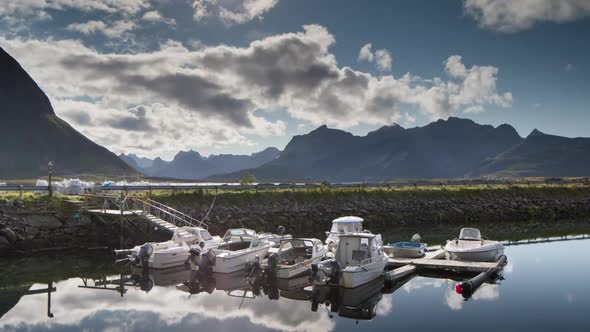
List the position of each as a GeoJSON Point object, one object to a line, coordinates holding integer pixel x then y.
{"type": "Point", "coordinates": [472, 234]}
{"type": "Point", "coordinates": [358, 249]}
{"type": "Point", "coordinates": [294, 251]}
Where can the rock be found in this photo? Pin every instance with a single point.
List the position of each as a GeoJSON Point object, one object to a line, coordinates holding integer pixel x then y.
{"type": "Point", "coordinates": [8, 234]}
{"type": "Point", "coordinates": [4, 243]}
{"type": "Point", "coordinates": [44, 222]}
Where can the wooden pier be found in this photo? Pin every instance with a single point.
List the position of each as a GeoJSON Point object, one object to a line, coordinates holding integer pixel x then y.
{"type": "Point", "coordinates": [433, 260]}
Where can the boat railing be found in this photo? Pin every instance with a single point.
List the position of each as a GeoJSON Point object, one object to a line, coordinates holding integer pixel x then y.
{"type": "Point", "coordinates": [165, 212]}
{"type": "Point", "coordinates": [192, 220]}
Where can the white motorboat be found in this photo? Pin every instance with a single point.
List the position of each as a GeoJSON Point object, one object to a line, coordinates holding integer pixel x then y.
{"type": "Point", "coordinates": [412, 249]}
{"type": "Point", "coordinates": [295, 257]}
{"type": "Point", "coordinates": [239, 249]}
{"type": "Point", "coordinates": [161, 255]}
{"type": "Point", "coordinates": [359, 258]}
{"type": "Point", "coordinates": [470, 246]}
{"type": "Point", "coordinates": [341, 226]}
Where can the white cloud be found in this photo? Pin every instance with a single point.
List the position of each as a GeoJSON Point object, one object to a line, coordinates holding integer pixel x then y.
{"type": "Point", "coordinates": [454, 66]}
{"type": "Point", "coordinates": [366, 54]}
{"type": "Point", "coordinates": [382, 57]}
{"type": "Point", "coordinates": [35, 7]}
{"type": "Point", "coordinates": [512, 16]}
{"type": "Point", "coordinates": [155, 16]}
{"type": "Point", "coordinates": [116, 30]}
{"type": "Point", "coordinates": [383, 60]}
{"type": "Point", "coordinates": [214, 95]}
{"type": "Point", "coordinates": [232, 12]}
{"type": "Point", "coordinates": [474, 109]}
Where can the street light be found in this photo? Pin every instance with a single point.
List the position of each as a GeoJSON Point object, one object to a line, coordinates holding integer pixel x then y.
{"type": "Point", "coordinates": [50, 188]}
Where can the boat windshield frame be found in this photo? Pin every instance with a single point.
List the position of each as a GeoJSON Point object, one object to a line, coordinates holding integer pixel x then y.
{"type": "Point", "coordinates": [470, 234]}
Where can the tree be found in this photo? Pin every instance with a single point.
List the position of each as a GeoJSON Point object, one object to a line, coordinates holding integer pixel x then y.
{"type": "Point", "coordinates": [247, 178]}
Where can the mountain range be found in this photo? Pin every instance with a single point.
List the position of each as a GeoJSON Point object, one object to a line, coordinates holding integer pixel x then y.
{"type": "Point", "coordinates": [32, 135]}
{"type": "Point", "coordinates": [453, 148]}
{"type": "Point", "coordinates": [190, 165]}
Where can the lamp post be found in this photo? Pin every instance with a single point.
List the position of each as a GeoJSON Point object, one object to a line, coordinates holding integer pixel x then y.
{"type": "Point", "coordinates": [50, 188]}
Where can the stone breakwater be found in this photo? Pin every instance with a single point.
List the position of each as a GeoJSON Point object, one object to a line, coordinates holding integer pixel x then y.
{"type": "Point", "coordinates": [436, 214]}
{"type": "Point", "coordinates": [26, 230]}
{"type": "Point", "coordinates": [311, 214]}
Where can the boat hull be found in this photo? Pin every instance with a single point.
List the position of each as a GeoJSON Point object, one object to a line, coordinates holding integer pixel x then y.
{"type": "Point", "coordinates": [402, 251]}
{"type": "Point", "coordinates": [487, 253]}
{"type": "Point", "coordinates": [356, 276]}
{"type": "Point", "coordinates": [163, 260]}
{"type": "Point", "coordinates": [238, 261]}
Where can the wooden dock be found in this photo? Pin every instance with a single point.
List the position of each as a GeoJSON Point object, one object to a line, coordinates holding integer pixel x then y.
{"type": "Point", "coordinates": [434, 260]}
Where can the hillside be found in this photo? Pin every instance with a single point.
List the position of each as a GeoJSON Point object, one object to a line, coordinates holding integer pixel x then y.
{"type": "Point", "coordinates": [443, 149]}
{"type": "Point", "coordinates": [32, 135]}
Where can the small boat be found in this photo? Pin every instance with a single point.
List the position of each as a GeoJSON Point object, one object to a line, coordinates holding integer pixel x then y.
{"type": "Point", "coordinates": [295, 257]}
{"type": "Point", "coordinates": [239, 249]}
{"type": "Point", "coordinates": [405, 249]}
{"type": "Point", "coordinates": [359, 258]}
{"type": "Point", "coordinates": [175, 252]}
{"type": "Point", "coordinates": [470, 246]}
{"type": "Point", "coordinates": [341, 226]}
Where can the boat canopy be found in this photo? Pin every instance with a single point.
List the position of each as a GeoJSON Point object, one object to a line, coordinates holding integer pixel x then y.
{"type": "Point", "coordinates": [470, 234]}
{"type": "Point", "coordinates": [348, 219]}
{"type": "Point", "coordinates": [348, 224]}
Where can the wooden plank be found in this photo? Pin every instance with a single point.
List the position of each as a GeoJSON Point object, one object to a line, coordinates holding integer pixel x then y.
{"type": "Point", "coordinates": [443, 264]}
{"type": "Point", "coordinates": [115, 212]}
{"type": "Point", "coordinates": [400, 272]}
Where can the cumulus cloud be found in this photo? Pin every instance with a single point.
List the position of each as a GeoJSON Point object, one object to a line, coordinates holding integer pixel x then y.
{"type": "Point", "coordinates": [35, 7]}
{"type": "Point", "coordinates": [118, 30]}
{"type": "Point", "coordinates": [382, 57]}
{"type": "Point", "coordinates": [217, 95]}
{"type": "Point", "coordinates": [232, 12]}
{"type": "Point", "coordinates": [512, 16]}
{"type": "Point", "coordinates": [366, 54]}
{"type": "Point", "coordinates": [383, 60]}
{"type": "Point", "coordinates": [155, 16]}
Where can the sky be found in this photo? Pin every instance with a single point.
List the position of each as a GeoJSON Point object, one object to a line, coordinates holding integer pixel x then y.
{"type": "Point", "coordinates": [154, 77]}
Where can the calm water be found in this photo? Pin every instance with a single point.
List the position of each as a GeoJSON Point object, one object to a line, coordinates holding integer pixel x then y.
{"type": "Point", "coordinates": [545, 287]}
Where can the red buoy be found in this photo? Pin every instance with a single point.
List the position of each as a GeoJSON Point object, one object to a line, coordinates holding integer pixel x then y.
{"type": "Point", "coordinates": [459, 289]}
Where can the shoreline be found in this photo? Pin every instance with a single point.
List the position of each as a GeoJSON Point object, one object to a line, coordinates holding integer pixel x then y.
{"type": "Point", "coordinates": [508, 213]}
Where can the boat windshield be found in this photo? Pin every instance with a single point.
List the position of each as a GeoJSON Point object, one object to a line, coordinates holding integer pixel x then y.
{"type": "Point", "coordinates": [470, 234]}
{"type": "Point", "coordinates": [240, 232]}
{"type": "Point", "coordinates": [205, 235]}
{"type": "Point", "coordinates": [296, 244]}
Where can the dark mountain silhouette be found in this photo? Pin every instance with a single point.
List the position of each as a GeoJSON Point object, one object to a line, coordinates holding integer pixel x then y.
{"type": "Point", "coordinates": [32, 135]}
{"type": "Point", "coordinates": [443, 149]}
{"type": "Point", "coordinates": [190, 165]}
{"type": "Point", "coordinates": [543, 155]}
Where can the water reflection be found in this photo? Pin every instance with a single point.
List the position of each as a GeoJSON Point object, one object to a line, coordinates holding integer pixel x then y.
{"type": "Point", "coordinates": [180, 299]}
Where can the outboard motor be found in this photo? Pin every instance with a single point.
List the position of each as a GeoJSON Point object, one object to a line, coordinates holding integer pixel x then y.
{"type": "Point", "coordinates": [206, 262]}
{"type": "Point", "coordinates": [144, 255]}
{"type": "Point", "coordinates": [416, 238]}
{"type": "Point", "coordinates": [281, 230]}
{"type": "Point", "coordinates": [335, 272]}
{"type": "Point", "coordinates": [272, 264]}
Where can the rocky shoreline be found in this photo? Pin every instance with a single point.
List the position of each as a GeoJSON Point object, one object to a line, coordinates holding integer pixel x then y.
{"type": "Point", "coordinates": [502, 213]}
{"type": "Point", "coordinates": [29, 230]}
